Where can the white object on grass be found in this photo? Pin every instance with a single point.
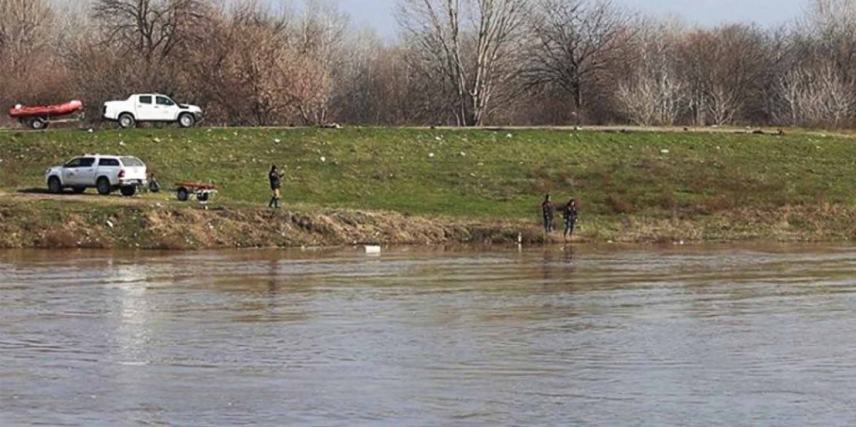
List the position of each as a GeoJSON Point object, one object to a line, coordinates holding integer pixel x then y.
{"type": "Point", "coordinates": [372, 250]}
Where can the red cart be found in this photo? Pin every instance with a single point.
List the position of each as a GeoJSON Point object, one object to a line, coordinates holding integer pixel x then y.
{"type": "Point", "coordinates": [202, 192]}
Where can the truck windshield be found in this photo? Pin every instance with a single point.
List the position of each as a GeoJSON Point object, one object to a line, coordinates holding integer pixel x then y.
{"type": "Point", "coordinates": [132, 162]}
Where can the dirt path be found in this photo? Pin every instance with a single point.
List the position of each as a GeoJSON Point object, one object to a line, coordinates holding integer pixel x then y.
{"type": "Point", "coordinates": [89, 197]}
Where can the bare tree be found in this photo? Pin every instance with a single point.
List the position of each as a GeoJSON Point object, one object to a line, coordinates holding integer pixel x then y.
{"type": "Point", "coordinates": [653, 93]}
{"type": "Point", "coordinates": [574, 42]}
{"type": "Point", "coordinates": [24, 28]}
{"type": "Point", "coordinates": [150, 28]}
{"type": "Point", "coordinates": [319, 57]}
{"type": "Point", "coordinates": [474, 60]}
{"type": "Point", "coordinates": [831, 25]}
{"type": "Point", "coordinates": [816, 95]}
{"type": "Point", "coordinates": [246, 71]}
{"type": "Point", "coordinates": [29, 69]}
{"type": "Point", "coordinates": [723, 69]}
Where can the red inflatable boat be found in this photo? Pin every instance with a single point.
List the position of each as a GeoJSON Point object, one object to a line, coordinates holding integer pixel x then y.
{"type": "Point", "coordinates": [39, 116]}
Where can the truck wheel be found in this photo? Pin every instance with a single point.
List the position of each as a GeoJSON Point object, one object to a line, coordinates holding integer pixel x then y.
{"type": "Point", "coordinates": [54, 186]}
{"type": "Point", "coordinates": [186, 120]}
{"type": "Point", "coordinates": [182, 194]}
{"type": "Point", "coordinates": [38, 123]}
{"type": "Point", "coordinates": [129, 191]}
{"type": "Point", "coordinates": [103, 186]}
{"type": "Point", "coordinates": [126, 121]}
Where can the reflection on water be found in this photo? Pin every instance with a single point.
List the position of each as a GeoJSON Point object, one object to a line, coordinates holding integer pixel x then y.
{"type": "Point", "coordinates": [716, 336]}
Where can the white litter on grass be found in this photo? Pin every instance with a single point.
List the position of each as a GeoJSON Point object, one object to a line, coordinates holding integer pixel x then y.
{"type": "Point", "coordinates": [323, 159]}
{"type": "Point", "coordinates": [91, 130]}
{"type": "Point", "coordinates": [277, 140]}
{"type": "Point", "coordinates": [463, 154]}
{"type": "Point", "coordinates": [431, 155]}
{"type": "Point", "coordinates": [372, 250]}
{"type": "Point", "coordinates": [438, 138]}
{"type": "Point", "coordinates": [109, 224]}
{"type": "Point", "coordinates": [122, 143]}
{"type": "Point", "coordinates": [509, 136]}
{"type": "Point", "coordinates": [664, 151]}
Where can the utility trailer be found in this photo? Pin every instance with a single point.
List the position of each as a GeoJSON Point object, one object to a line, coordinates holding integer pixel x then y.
{"type": "Point", "coordinates": [202, 192]}
{"type": "Point", "coordinates": [41, 116]}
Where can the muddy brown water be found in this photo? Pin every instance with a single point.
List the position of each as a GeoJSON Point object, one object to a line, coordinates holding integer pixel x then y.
{"type": "Point", "coordinates": [690, 336]}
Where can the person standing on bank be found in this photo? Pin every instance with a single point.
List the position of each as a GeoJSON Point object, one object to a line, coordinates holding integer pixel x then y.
{"type": "Point", "coordinates": [548, 210]}
{"type": "Point", "coordinates": [275, 179]}
{"type": "Point", "coordinates": [569, 213]}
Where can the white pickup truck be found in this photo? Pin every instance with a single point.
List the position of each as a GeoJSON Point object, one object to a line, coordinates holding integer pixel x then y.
{"type": "Point", "coordinates": [105, 173]}
{"type": "Point", "coordinates": [151, 107]}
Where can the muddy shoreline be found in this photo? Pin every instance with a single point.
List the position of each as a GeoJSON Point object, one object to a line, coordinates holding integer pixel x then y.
{"type": "Point", "coordinates": [62, 224]}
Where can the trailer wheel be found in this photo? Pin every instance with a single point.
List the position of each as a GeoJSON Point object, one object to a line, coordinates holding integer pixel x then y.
{"type": "Point", "coordinates": [127, 121]}
{"type": "Point", "coordinates": [182, 194]}
{"type": "Point", "coordinates": [38, 123]}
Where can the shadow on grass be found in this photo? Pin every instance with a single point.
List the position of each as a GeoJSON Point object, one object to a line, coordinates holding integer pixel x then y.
{"type": "Point", "coordinates": [45, 192]}
{"type": "Point", "coordinates": [34, 191]}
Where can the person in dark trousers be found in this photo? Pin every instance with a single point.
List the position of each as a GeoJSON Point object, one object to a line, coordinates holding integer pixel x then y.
{"type": "Point", "coordinates": [569, 213]}
{"type": "Point", "coordinates": [154, 185]}
{"type": "Point", "coordinates": [275, 179]}
{"type": "Point", "coordinates": [548, 210]}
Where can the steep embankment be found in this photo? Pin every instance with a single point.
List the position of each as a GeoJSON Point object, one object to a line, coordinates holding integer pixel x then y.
{"type": "Point", "coordinates": [438, 186]}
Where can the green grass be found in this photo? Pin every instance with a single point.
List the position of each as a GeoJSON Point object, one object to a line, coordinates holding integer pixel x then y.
{"type": "Point", "coordinates": [474, 173]}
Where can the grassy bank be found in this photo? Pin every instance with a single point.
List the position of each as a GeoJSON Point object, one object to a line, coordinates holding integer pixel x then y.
{"type": "Point", "coordinates": [642, 186]}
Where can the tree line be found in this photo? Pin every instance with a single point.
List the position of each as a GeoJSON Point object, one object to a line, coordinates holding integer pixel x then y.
{"type": "Point", "coordinates": [454, 62]}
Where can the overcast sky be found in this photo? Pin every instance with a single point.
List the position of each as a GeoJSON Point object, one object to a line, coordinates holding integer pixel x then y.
{"type": "Point", "coordinates": [378, 14]}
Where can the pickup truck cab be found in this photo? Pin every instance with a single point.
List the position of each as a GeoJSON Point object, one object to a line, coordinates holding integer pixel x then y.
{"type": "Point", "coordinates": [105, 173]}
{"type": "Point", "coordinates": [151, 107]}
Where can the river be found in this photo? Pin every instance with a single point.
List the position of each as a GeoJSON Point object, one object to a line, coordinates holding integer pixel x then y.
{"type": "Point", "coordinates": [588, 336]}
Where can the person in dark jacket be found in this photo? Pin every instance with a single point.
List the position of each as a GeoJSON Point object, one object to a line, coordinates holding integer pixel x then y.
{"type": "Point", "coordinates": [569, 213]}
{"type": "Point", "coordinates": [275, 179]}
{"type": "Point", "coordinates": [548, 211]}
{"type": "Point", "coordinates": [154, 185]}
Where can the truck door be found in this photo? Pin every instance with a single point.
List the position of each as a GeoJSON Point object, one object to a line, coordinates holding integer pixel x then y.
{"type": "Point", "coordinates": [69, 172]}
{"type": "Point", "coordinates": [146, 110]}
{"type": "Point", "coordinates": [75, 172]}
{"type": "Point", "coordinates": [86, 171]}
{"type": "Point", "coordinates": [167, 110]}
